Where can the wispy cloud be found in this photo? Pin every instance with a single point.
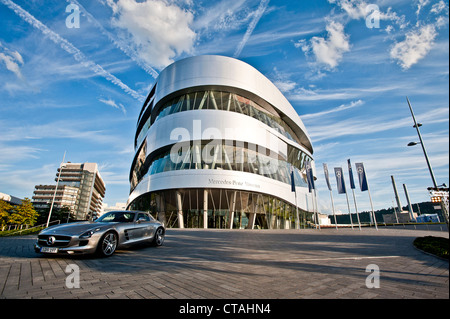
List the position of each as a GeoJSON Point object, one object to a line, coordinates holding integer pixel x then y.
{"type": "Point", "coordinates": [114, 104]}
{"type": "Point", "coordinates": [70, 48]}
{"type": "Point", "coordinates": [439, 7]}
{"type": "Point", "coordinates": [157, 30]}
{"type": "Point", "coordinates": [341, 107]}
{"type": "Point", "coordinates": [9, 153]}
{"type": "Point", "coordinates": [328, 52]}
{"type": "Point", "coordinates": [87, 130]}
{"type": "Point", "coordinates": [355, 9]}
{"type": "Point", "coordinates": [358, 9]}
{"type": "Point", "coordinates": [360, 91]}
{"type": "Point", "coordinates": [302, 94]}
{"type": "Point", "coordinates": [320, 130]}
{"type": "Point", "coordinates": [420, 5]}
{"type": "Point", "coordinates": [415, 47]}
{"type": "Point", "coordinates": [257, 15]}
{"type": "Point", "coordinates": [12, 60]}
{"type": "Point", "coordinates": [406, 164]}
{"type": "Point", "coordinates": [23, 180]}
{"type": "Point", "coordinates": [222, 16]}
{"type": "Point", "coordinates": [120, 44]}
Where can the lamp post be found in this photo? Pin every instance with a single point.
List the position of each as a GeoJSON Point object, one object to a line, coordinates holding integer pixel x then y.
{"type": "Point", "coordinates": [417, 125]}
{"type": "Point", "coordinates": [56, 189]}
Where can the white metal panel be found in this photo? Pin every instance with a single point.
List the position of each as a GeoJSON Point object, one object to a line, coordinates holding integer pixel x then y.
{"type": "Point", "coordinates": [209, 70]}
{"type": "Point", "coordinates": [224, 179]}
{"type": "Point", "coordinates": [200, 124]}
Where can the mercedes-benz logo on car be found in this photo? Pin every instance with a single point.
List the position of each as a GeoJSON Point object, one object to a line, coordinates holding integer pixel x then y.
{"type": "Point", "coordinates": [51, 240]}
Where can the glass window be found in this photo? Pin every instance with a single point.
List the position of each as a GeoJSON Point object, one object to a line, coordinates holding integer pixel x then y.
{"type": "Point", "coordinates": [203, 104]}
{"type": "Point", "coordinates": [143, 216]}
{"type": "Point", "coordinates": [225, 155]}
{"type": "Point", "coordinates": [219, 100]}
{"type": "Point", "coordinates": [113, 217]}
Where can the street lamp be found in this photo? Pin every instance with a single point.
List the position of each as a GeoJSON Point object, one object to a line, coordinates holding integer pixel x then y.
{"type": "Point", "coordinates": [416, 126]}
{"type": "Point", "coordinates": [56, 189]}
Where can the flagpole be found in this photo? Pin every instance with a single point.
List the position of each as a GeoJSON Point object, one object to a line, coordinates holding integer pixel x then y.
{"type": "Point", "coordinates": [312, 189]}
{"type": "Point", "coordinates": [313, 202]}
{"type": "Point", "coordinates": [352, 186]}
{"type": "Point", "coordinates": [332, 206]}
{"type": "Point", "coordinates": [371, 205]}
{"type": "Point", "coordinates": [327, 179]}
{"type": "Point", "coordinates": [316, 208]}
{"type": "Point", "coordinates": [356, 208]}
{"type": "Point", "coordinates": [296, 209]}
{"type": "Point", "coordinates": [339, 173]}
{"type": "Point", "coordinates": [364, 185]}
{"type": "Point", "coordinates": [294, 189]}
{"type": "Point", "coordinates": [346, 195]}
{"type": "Point", "coordinates": [56, 189]}
{"type": "Point", "coordinates": [349, 212]}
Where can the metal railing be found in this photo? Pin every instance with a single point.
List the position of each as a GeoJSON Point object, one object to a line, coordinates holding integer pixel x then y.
{"type": "Point", "coordinates": [20, 231]}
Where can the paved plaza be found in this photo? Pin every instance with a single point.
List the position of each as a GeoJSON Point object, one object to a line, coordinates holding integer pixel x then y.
{"type": "Point", "coordinates": [235, 264]}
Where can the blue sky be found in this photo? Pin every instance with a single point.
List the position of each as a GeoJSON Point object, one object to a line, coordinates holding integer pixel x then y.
{"type": "Point", "coordinates": [80, 90]}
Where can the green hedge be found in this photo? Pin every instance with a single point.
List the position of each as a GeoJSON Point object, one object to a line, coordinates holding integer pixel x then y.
{"type": "Point", "coordinates": [434, 245]}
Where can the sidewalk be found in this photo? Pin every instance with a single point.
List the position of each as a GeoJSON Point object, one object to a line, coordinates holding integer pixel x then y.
{"type": "Point", "coordinates": [232, 264]}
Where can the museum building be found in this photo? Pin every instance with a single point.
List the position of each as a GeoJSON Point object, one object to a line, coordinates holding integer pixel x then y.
{"type": "Point", "coordinates": [217, 145]}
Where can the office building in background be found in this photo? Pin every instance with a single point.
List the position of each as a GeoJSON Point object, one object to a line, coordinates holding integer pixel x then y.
{"type": "Point", "coordinates": [80, 188]}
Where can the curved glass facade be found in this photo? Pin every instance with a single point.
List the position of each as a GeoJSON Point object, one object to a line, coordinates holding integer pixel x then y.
{"type": "Point", "coordinates": [221, 101]}
{"type": "Point", "coordinates": [222, 155]}
{"type": "Point", "coordinates": [227, 209]}
{"type": "Point", "coordinates": [225, 153]}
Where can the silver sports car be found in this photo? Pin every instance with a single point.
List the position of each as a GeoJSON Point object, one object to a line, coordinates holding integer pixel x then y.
{"type": "Point", "coordinates": [110, 231]}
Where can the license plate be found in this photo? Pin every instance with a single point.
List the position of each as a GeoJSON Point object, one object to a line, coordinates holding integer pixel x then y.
{"type": "Point", "coordinates": [51, 250]}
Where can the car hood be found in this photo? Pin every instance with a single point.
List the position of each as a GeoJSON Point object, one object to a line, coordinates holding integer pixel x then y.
{"type": "Point", "coordinates": [72, 228]}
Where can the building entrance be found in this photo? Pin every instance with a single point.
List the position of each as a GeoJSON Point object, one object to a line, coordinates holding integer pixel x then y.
{"type": "Point", "coordinates": [221, 209]}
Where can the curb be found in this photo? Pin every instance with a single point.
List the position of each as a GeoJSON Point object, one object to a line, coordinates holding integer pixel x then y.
{"type": "Point", "coordinates": [430, 254]}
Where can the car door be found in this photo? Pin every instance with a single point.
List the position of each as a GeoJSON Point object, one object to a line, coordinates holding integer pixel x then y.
{"type": "Point", "coordinates": [127, 224]}
{"type": "Point", "coordinates": [143, 226]}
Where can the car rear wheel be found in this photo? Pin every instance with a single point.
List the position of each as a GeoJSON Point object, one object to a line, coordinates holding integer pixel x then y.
{"type": "Point", "coordinates": [107, 244]}
{"type": "Point", "coordinates": [158, 240]}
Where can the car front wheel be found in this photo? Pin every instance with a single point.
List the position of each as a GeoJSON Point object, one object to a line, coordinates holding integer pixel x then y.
{"type": "Point", "coordinates": [107, 245]}
{"type": "Point", "coordinates": [158, 240]}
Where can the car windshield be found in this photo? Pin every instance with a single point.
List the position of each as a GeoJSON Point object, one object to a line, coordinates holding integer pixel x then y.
{"type": "Point", "coordinates": [116, 217]}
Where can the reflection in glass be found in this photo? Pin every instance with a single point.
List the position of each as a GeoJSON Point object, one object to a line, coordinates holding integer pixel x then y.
{"type": "Point", "coordinates": [223, 101]}
{"type": "Point", "coordinates": [222, 155]}
{"type": "Point", "coordinates": [226, 209]}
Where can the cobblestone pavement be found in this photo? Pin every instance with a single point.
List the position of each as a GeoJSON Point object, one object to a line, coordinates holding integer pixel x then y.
{"type": "Point", "coordinates": [234, 264]}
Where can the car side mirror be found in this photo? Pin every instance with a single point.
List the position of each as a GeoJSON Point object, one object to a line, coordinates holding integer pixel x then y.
{"type": "Point", "coordinates": [140, 220]}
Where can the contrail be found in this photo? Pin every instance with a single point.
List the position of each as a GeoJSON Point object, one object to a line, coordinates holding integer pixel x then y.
{"type": "Point", "coordinates": [70, 48]}
{"type": "Point", "coordinates": [258, 14]}
{"type": "Point", "coordinates": [119, 44]}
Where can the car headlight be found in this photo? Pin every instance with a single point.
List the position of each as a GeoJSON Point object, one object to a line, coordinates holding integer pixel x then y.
{"type": "Point", "coordinates": [89, 233]}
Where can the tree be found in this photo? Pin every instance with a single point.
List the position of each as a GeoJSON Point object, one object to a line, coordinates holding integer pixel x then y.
{"type": "Point", "coordinates": [4, 213]}
{"type": "Point", "coordinates": [24, 214]}
{"type": "Point", "coordinates": [58, 213]}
